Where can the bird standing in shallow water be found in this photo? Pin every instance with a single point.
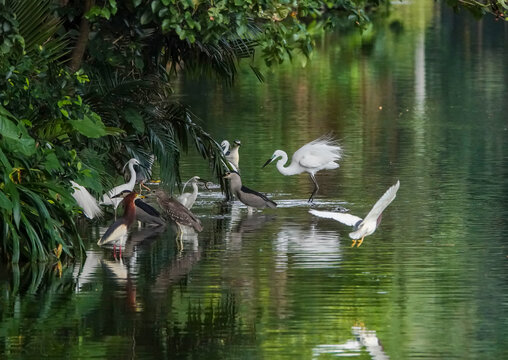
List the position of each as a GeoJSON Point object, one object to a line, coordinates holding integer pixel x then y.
{"type": "Point", "coordinates": [249, 197]}
{"type": "Point", "coordinates": [232, 154]}
{"type": "Point", "coordinates": [188, 199]}
{"type": "Point", "coordinates": [109, 197]}
{"type": "Point", "coordinates": [320, 154]}
{"type": "Point", "coordinates": [178, 213]}
{"type": "Point", "coordinates": [118, 231]}
{"type": "Point", "coordinates": [367, 226]}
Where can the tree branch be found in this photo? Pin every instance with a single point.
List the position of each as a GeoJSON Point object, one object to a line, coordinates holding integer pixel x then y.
{"type": "Point", "coordinates": [82, 41]}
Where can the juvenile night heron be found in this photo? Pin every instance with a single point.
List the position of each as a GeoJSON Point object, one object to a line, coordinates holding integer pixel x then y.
{"type": "Point", "coordinates": [367, 226]}
{"type": "Point", "coordinates": [109, 197]}
{"type": "Point", "coordinates": [177, 212]}
{"type": "Point", "coordinates": [147, 214]}
{"type": "Point", "coordinates": [232, 154]}
{"type": "Point", "coordinates": [320, 154]}
{"type": "Point", "coordinates": [188, 199]}
{"type": "Point", "coordinates": [118, 231]}
{"type": "Point", "coordinates": [249, 197]}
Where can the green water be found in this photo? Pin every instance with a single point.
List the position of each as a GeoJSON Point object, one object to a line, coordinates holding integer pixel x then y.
{"type": "Point", "coordinates": [425, 103]}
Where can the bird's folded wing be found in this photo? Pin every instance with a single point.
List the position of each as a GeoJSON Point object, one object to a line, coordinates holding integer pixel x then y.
{"type": "Point", "coordinates": [347, 219]}
{"type": "Point", "coordinates": [150, 210]}
{"type": "Point", "coordinates": [382, 203]}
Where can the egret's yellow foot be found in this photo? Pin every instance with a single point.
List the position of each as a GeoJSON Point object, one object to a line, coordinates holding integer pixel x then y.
{"type": "Point", "coordinates": [354, 243]}
{"type": "Point", "coordinates": [360, 242]}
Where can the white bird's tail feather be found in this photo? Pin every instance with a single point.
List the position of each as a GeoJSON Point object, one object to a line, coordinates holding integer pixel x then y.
{"type": "Point", "coordinates": [86, 201]}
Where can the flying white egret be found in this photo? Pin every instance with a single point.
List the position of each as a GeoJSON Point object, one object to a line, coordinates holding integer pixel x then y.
{"type": "Point", "coordinates": [317, 155]}
{"type": "Point", "coordinates": [249, 197]}
{"type": "Point", "coordinates": [109, 197]}
{"type": "Point", "coordinates": [188, 199]}
{"type": "Point", "coordinates": [363, 227]}
{"type": "Point", "coordinates": [86, 201]}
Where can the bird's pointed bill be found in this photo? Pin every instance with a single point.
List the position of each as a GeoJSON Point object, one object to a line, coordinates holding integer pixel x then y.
{"type": "Point", "coordinates": [268, 161]}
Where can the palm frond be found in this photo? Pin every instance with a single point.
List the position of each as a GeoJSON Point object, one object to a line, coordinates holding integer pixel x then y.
{"type": "Point", "coordinates": [38, 27]}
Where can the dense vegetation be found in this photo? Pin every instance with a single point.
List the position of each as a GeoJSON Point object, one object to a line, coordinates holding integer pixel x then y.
{"type": "Point", "coordinates": [87, 85]}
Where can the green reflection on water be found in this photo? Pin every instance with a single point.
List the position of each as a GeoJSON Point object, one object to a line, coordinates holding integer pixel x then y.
{"type": "Point", "coordinates": [425, 103]}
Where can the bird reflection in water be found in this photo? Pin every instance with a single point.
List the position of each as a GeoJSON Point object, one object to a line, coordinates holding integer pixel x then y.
{"type": "Point", "coordinates": [364, 339]}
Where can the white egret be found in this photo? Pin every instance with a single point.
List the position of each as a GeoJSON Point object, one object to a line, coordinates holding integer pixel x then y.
{"type": "Point", "coordinates": [225, 146]}
{"type": "Point", "coordinates": [188, 199]}
{"type": "Point", "coordinates": [232, 153]}
{"type": "Point", "coordinates": [86, 201]}
{"type": "Point", "coordinates": [317, 155]}
{"type": "Point", "coordinates": [363, 227]}
{"type": "Point", "coordinates": [109, 197]}
{"type": "Point", "coordinates": [249, 197]}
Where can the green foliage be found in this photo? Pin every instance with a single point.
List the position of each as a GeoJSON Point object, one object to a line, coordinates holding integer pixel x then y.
{"type": "Point", "coordinates": [498, 8]}
{"type": "Point", "coordinates": [35, 202]}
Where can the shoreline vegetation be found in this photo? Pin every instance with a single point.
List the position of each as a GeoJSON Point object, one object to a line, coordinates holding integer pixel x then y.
{"type": "Point", "coordinates": [88, 85]}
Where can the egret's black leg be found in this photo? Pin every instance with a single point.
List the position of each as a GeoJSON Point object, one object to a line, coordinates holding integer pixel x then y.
{"type": "Point", "coordinates": [316, 187]}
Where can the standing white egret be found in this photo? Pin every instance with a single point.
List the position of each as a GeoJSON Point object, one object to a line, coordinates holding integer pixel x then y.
{"type": "Point", "coordinates": [225, 146]}
{"type": "Point", "coordinates": [367, 226]}
{"type": "Point", "coordinates": [317, 155]}
{"type": "Point", "coordinates": [188, 199]}
{"type": "Point", "coordinates": [232, 153]}
{"type": "Point", "coordinates": [86, 201]}
{"type": "Point", "coordinates": [234, 156]}
{"type": "Point", "coordinates": [109, 199]}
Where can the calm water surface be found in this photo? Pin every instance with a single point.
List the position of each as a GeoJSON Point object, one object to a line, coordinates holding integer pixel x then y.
{"type": "Point", "coordinates": [421, 97]}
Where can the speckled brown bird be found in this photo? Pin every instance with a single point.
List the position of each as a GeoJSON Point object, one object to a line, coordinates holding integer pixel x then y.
{"type": "Point", "coordinates": [177, 212]}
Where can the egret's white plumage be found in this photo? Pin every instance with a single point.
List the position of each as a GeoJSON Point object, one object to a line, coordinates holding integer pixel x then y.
{"type": "Point", "coordinates": [320, 154]}
{"type": "Point", "coordinates": [109, 199]}
{"type": "Point", "coordinates": [188, 199]}
{"type": "Point", "coordinates": [232, 153]}
{"type": "Point", "coordinates": [363, 227]}
{"type": "Point", "coordinates": [225, 146]}
{"type": "Point", "coordinates": [86, 201]}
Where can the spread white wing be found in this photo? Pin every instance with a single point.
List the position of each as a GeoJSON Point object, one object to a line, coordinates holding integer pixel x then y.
{"type": "Point", "coordinates": [382, 203]}
{"type": "Point", "coordinates": [347, 219]}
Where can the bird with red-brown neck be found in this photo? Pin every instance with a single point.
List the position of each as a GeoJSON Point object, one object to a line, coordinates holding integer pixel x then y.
{"type": "Point", "coordinates": [118, 231]}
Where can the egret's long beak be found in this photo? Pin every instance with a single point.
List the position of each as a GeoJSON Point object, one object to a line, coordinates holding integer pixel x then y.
{"type": "Point", "coordinates": [267, 162]}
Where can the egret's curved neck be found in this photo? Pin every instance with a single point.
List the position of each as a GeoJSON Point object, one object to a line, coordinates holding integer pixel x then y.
{"type": "Point", "coordinates": [281, 162]}
{"type": "Point", "coordinates": [132, 180]}
{"type": "Point", "coordinates": [194, 191]}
